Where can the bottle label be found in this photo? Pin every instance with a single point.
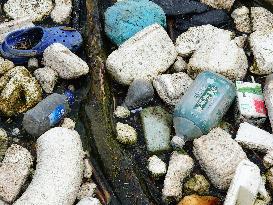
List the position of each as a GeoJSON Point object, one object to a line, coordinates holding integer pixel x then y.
{"type": "Point", "coordinates": [56, 115]}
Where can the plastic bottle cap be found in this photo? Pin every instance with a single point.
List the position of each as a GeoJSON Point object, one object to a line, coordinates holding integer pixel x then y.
{"type": "Point", "coordinates": [186, 128]}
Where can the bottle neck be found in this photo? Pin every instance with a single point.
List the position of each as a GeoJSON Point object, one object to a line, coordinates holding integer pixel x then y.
{"type": "Point", "coordinates": [70, 97]}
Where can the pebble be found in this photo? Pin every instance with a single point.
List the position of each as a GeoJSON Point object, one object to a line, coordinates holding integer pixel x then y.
{"type": "Point", "coordinates": [88, 169]}
{"type": "Point", "coordinates": [5, 65]}
{"type": "Point", "coordinates": [217, 18]}
{"type": "Point", "coordinates": [180, 166]}
{"type": "Point", "coordinates": [199, 200]}
{"type": "Point", "coordinates": [126, 134]}
{"type": "Point", "coordinates": [188, 42]}
{"type": "Point", "coordinates": [261, 43]}
{"type": "Point", "coordinates": [14, 172]}
{"type": "Point", "coordinates": [198, 184]}
{"type": "Point", "coordinates": [156, 124]}
{"type": "Point", "coordinates": [261, 19]}
{"type": "Point", "coordinates": [33, 63]}
{"type": "Point", "coordinates": [213, 56]}
{"type": "Point", "coordinates": [140, 93]}
{"type": "Point", "coordinates": [122, 112]}
{"type": "Point", "coordinates": [241, 18]}
{"type": "Point", "coordinates": [36, 10]}
{"type": "Point", "coordinates": [16, 81]}
{"type": "Point", "coordinates": [171, 87]}
{"type": "Point", "coordinates": [89, 201]}
{"type": "Point", "coordinates": [268, 159]}
{"type": "Point", "coordinates": [144, 56]}
{"type": "Point", "coordinates": [62, 11]}
{"type": "Point", "coordinates": [245, 184]}
{"type": "Point", "coordinates": [219, 4]}
{"type": "Point", "coordinates": [218, 155]}
{"type": "Point", "coordinates": [15, 132]}
{"type": "Point", "coordinates": [47, 78]}
{"type": "Point", "coordinates": [4, 141]}
{"type": "Point", "coordinates": [67, 64]}
{"type": "Point", "coordinates": [59, 169]}
{"type": "Point", "coordinates": [254, 138]}
{"type": "Point", "coordinates": [68, 123]}
{"type": "Point", "coordinates": [269, 177]}
{"type": "Point", "coordinates": [178, 7]}
{"type": "Point", "coordinates": [180, 65]}
{"type": "Point", "coordinates": [156, 166]}
{"type": "Point", "coordinates": [177, 143]}
{"type": "Point", "coordinates": [125, 18]}
{"type": "Point", "coordinates": [13, 25]}
{"type": "Point", "coordinates": [86, 190]}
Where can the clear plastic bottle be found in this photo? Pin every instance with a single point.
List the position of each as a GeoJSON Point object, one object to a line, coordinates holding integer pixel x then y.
{"type": "Point", "coordinates": [203, 105]}
{"type": "Point", "coordinates": [47, 113]}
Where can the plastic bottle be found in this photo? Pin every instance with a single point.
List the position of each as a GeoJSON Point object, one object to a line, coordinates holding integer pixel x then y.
{"type": "Point", "coordinates": [47, 113]}
{"type": "Point", "coordinates": [203, 105]}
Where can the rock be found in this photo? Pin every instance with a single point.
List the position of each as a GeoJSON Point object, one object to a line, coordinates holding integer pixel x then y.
{"type": "Point", "coordinates": [240, 40]}
{"type": "Point", "coordinates": [59, 170]}
{"type": "Point", "coordinates": [126, 18]}
{"type": "Point", "coordinates": [198, 184]}
{"type": "Point", "coordinates": [254, 138]}
{"type": "Point", "coordinates": [178, 7]}
{"type": "Point", "coordinates": [36, 10]}
{"type": "Point", "coordinates": [241, 18]}
{"type": "Point", "coordinates": [10, 26]}
{"type": "Point", "coordinates": [61, 11]}
{"type": "Point", "coordinates": [89, 201]}
{"type": "Point", "coordinates": [213, 56]}
{"type": "Point", "coordinates": [177, 142]}
{"type": "Point", "coordinates": [180, 166]}
{"type": "Point", "coordinates": [180, 65]}
{"type": "Point", "coordinates": [122, 112]}
{"type": "Point", "coordinates": [5, 65]}
{"type": "Point", "coordinates": [268, 159]}
{"type": "Point", "coordinates": [144, 56]}
{"type": "Point", "coordinates": [4, 141]}
{"type": "Point", "coordinates": [86, 190]}
{"type": "Point", "coordinates": [14, 172]}
{"type": "Point", "coordinates": [47, 78]}
{"type": "Point", "coordinates": [64, 62]}
{"type": "Point", "coordinates": [68, 123]}
{"type": "Point", "coordinates": [33, 63]}
{"type": "Point", "coordinates": [189, 41]}
{"type": "Point", "coordinates": [156, 166]}
{"type": "Point", "coordinates": [245, 184]}
{"type": "Point", "coordinates": [171, 87]}
{"type": "Point", "coordinates": [269, 178]}
{"type": "Point", "coordinates": [126, 134]}
{"type": "Point", "coordinates": [261, 19]}
{"type": "Point", "coordinates": [218, 155]}
{"type": "Point", "coordinates": [88, 169]}
{"type": "Point", "coordinates": [219, 4]}
{"type": "Point", "coordinates": [199, 200]}
{"type": "Point", "coordinates": [268, 93]}
{"type": "Point", "coordinates": [261, 43]}
{"type": "Point", "coordinates": [15, 132]}
{"type": "Point", "coordinates": [217, 18]}
{"type": "Point", "coordinates": [14, 84]}
{"type": "Point", "coordinates": [156, 124]}
{"type": "Point", "coordinates": [140, 93]}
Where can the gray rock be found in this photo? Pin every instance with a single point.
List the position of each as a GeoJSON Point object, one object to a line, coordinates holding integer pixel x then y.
{"type": "Point", "coordinates": [219, 4]}
{"type": "Point", "coordinates": [219, 155]}
{"type": "Point", "coordinates": [147, 54]}
{"type": "Point", "coordinates": [47, 78]}
{"type": "Point", "coordinates": [241, 18]}
{"type": "Point", "coordinates": [68, 123]}
{"type": "Point", "coordinates": [180, 65]}
{"type": "Point", "coordinates": [157, 128]}
{"type": "Point", "coordinates": [139, 93]}
{"type": "Point", "coordinates": [122, 112]}
{"type": "Point", "coordinates": [261, 19]}
{"type": "Point", "coordinates": [61, 11]}
{"type": "Point", "coordinates": [171, 87]}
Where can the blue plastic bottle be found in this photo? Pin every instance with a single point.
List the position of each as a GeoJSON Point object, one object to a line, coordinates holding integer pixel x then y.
{"type": "Point", "coordinates": [203, 105]}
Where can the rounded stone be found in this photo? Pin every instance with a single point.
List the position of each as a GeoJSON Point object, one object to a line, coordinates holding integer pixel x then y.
{"type": "Point", "coordinates": [126, 18]}
{"type": "Point", "coordinates": [198, 184]}
{"type": "Point", "coordinates": [126, 134]}
{"type": "Point", "coordinates": [35, 9]}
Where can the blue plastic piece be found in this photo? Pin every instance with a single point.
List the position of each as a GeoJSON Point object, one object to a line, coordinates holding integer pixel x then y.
{"type": "Point", "coordinates": [57, 114]}
{"type": "Point", "coordinates": [125, 18]}
{"type": "Point", "coordinates": [38, 39]}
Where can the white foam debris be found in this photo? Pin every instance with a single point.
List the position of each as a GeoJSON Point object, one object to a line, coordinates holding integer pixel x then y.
{"type": "Point", "coordinates": [156, 166]}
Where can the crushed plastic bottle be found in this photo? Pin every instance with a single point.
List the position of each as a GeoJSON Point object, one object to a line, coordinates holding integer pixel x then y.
{"type": "Point", "coordinates": [47, 113]}
{"type": "Point", "coordinates": [203, 105]}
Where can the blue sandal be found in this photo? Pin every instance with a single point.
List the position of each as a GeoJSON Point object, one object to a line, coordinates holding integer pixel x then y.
{"type": "Point", "coordinates": [23, 44]}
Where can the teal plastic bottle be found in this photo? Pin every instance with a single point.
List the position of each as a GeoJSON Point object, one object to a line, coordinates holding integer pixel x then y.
{"type": "Point", "coordinates": [203, 105]}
